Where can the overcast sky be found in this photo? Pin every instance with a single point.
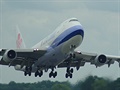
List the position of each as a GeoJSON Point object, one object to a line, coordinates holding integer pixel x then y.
{"type": "Point", "coordinates": [38, 18]}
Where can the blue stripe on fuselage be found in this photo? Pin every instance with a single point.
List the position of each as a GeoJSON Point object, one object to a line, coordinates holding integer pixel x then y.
{"type": "Point", "coordinates": [67, 34]}
{"type": "Point", "coordinates": [77, 32]}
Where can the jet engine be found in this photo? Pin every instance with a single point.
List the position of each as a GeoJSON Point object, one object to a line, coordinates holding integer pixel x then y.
{"type": "Point", "coordinates": [100, 60]}
{"type": "Point", "coordinates": [9, 55]}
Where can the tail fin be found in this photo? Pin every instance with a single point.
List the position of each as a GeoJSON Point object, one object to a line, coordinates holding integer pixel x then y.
{"type": "Point", "coordinates": [20, 44]}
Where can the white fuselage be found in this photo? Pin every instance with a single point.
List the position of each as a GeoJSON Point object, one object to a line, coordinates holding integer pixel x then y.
{"type": "Point", "coordinates": [58, 44]}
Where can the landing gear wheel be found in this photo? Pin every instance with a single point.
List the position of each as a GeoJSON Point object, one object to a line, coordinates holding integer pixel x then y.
{"type": "Point", "coordinates": [71, 70]}
{"type": "Point", "coordinates": [54, 74]}
{"type": "Point", "coordinates": [28, 71]}
{"type": "Point", "coordinates": [77, 68]}
{"type": "Point", "coordinates": [68, 70]}
{"type": "Point", "coordinates": [29, 74]}
{"type": "Point", "coordinates": [66, 75]}
{"type": "Point", "coordinates": [41, 73]}
{"type": "Point", "coordinates": [25, 73]}
{"type": "Point", "coordinates": [36, 73]}
{"type": "Point", "coordinates": [50, 74]}
{"type": "Point", "coordinates": [70, 76]}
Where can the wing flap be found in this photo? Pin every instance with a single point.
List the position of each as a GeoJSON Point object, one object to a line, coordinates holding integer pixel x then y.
{"type": "Point", "coordinates": [30, 53]}
{"type": "Point", "coordinates": [72, 64]}
{"type": "Point", "coordinates": [87, 57]}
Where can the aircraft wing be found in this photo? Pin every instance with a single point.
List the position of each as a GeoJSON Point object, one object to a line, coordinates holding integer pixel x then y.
{"type": "Point", "coordinates": [20, 56]}
{"type": "Point", "coordinates": [95, 59]}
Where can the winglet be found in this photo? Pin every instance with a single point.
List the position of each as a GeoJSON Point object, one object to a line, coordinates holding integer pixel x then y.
{"type": "Point", "coordinates": [20, 44]}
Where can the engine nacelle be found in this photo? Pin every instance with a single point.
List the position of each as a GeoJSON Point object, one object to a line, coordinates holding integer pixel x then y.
{"type": "Point", "coordinates": [9, 55]}
{"type": "Point", "coordinates": [100, 60]}
{"type": "Point", "coordinates": [18, 67]}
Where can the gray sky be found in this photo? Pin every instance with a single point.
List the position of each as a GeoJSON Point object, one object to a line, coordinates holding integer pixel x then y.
{"type": "Point", "coordinates": [38, 18]}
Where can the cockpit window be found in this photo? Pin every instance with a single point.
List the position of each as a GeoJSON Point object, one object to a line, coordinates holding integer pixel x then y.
{"type": "Point", "coordinates": [73, 20]}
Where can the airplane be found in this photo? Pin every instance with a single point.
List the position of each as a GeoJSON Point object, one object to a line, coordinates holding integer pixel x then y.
{"type": "Point", "coordinates": [58, 50]}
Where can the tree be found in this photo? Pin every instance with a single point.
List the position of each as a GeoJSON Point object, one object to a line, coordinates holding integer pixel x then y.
{"type": "Point", "coordinates": [87, 84]}
{"type": "Point", "coordinates": [60, 87]}
{"type": "Point", "coordinates": [90, 83]}
{"type": "Point", "coordinates": [115, 85]}
{"type": "Point", "coordinates": [100, 84]}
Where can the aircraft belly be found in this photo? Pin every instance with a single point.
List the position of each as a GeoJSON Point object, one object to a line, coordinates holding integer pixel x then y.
{"type": "Point", "coordinates": [76, 40]}
{"type": "Point", "coordinates": [52, 58]}
{"type": "Point", "coordinates": [55, 56]}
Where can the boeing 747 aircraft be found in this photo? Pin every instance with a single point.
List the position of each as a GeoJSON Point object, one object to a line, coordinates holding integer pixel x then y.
{"type": "Point", "coordinates": [55, 51]}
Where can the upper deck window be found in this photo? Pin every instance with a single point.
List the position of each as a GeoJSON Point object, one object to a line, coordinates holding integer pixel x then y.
{"type": "Point", "coordinates": [73, 20]}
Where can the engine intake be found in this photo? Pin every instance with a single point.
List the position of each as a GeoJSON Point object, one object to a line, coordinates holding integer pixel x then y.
{"type": "Point", "coordinates": [100, 60]}
{"type": "Point", "coordinates": [9, 55]}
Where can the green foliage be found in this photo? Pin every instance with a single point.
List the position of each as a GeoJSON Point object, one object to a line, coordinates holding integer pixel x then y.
{"type": "Point", "coordinates": [60, 87]}
{"type": "Point", "coordinates": [100, 84]}
{"type": "Point", "coordinates": [115, 85]}
{"type": "Point", "coordinates": [90, 83]}
{"type": "Point", "coordinates": [87, 84]}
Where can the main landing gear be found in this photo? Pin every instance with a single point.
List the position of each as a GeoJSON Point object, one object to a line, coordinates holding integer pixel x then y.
{"type": "Point", "coordinates": [28, 71]}
{"type": "Point", "coordinates": [38, 73]}
{"type": "Point", "coordinates": [52, 73]}
{"type": "Point", "coordinates": [69, 73]}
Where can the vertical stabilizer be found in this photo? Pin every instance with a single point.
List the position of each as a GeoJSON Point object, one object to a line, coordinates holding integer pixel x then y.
{"type": "Point", "coordinates": [20, 44]}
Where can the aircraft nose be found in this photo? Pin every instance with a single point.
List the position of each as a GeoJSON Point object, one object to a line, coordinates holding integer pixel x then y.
{"type": "Point", "coordinates": [80, 30]}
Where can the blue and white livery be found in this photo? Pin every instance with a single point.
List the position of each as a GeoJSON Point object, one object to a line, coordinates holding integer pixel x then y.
{"type": "Point", "coordinates": [55, 51]}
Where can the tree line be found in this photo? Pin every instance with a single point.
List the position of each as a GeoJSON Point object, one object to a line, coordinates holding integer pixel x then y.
{"type": "Point", "coordinates": [90, 83]}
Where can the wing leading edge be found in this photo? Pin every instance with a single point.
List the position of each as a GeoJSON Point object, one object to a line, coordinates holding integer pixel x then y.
{"type": "Point", "coordinates": [21, 56]}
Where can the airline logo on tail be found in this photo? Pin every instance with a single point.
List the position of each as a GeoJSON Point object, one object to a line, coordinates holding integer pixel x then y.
{"type": "Point", "coordinates": [20, 44]}
{"type": "Point", "coordinates": [19, 41]}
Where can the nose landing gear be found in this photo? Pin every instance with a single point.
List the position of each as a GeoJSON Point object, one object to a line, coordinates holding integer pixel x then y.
{"type": "Point", "coordinates": [72, 46]}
